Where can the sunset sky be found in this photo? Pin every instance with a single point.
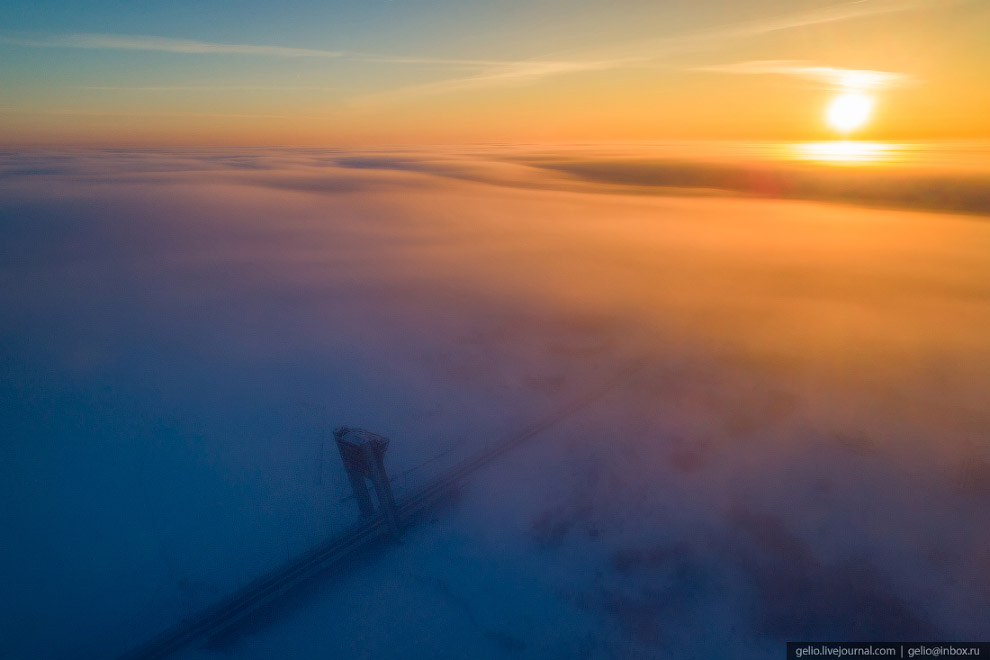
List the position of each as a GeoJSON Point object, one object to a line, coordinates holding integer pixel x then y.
{"type": "Point", "coordinates": [715, 271]}
{"type": "Point", "coordinates": [428, 71]}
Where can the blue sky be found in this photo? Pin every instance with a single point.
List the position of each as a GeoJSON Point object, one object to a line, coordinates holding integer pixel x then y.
{"type": "Point", "coordinates": [443, 70]}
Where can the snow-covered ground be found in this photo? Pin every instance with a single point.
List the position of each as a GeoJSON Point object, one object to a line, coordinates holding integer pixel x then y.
{"type": "Point", "coordinates": [803, 451]}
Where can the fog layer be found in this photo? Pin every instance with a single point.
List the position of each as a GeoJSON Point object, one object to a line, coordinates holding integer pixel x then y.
{"type": "Point", "coordinates": [794, 446]}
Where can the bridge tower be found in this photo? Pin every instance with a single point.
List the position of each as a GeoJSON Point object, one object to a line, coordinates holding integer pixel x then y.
{"type": "Point", "coordinates": [363, 454]}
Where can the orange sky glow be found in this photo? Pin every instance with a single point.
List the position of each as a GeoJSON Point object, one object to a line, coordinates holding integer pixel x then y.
{"type": "Point", "coordinates": [581, 72]}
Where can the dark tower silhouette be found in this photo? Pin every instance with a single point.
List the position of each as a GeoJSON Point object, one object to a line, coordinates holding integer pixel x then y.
{"type": "Point", "coordinates": [363, 454]}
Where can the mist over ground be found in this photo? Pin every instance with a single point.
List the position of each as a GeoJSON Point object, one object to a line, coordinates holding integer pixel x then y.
{"type": "Point", "coordinates": [795, 443]}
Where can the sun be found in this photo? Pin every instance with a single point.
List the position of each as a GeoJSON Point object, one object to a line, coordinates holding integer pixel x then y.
{"type": "Point", "coordinates": [849, 111]}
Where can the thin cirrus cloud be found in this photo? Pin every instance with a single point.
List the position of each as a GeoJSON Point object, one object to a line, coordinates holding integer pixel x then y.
{"type": "Point", "coordinates": [826, 76]}
{"type": "Point", "coordinates": [507, 73]}
{"type": "Point", "coordinates": [650, 52]}
{"type": "Point", "coordinates": [830, 14]}
{"type": "Point", "coordinates": [205, 88]}
{"type": "Point", "coordinates": [484, 72]}
{"type": "Point", "coordinates": [487, 73]}
{"type": "Point", "coordinates": [137, 42]}
{"type": "Point", "coordinates": [163, 44]}
{"type": "Point", "coordinates": [77, 112]}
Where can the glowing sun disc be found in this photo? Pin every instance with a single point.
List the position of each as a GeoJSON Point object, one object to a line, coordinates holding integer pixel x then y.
{"type": "Point", "coordinates": [849, 111]}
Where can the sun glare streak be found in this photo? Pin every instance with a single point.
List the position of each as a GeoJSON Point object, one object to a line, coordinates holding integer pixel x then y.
{"type": "Point", "coordinates": [849, 152]}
